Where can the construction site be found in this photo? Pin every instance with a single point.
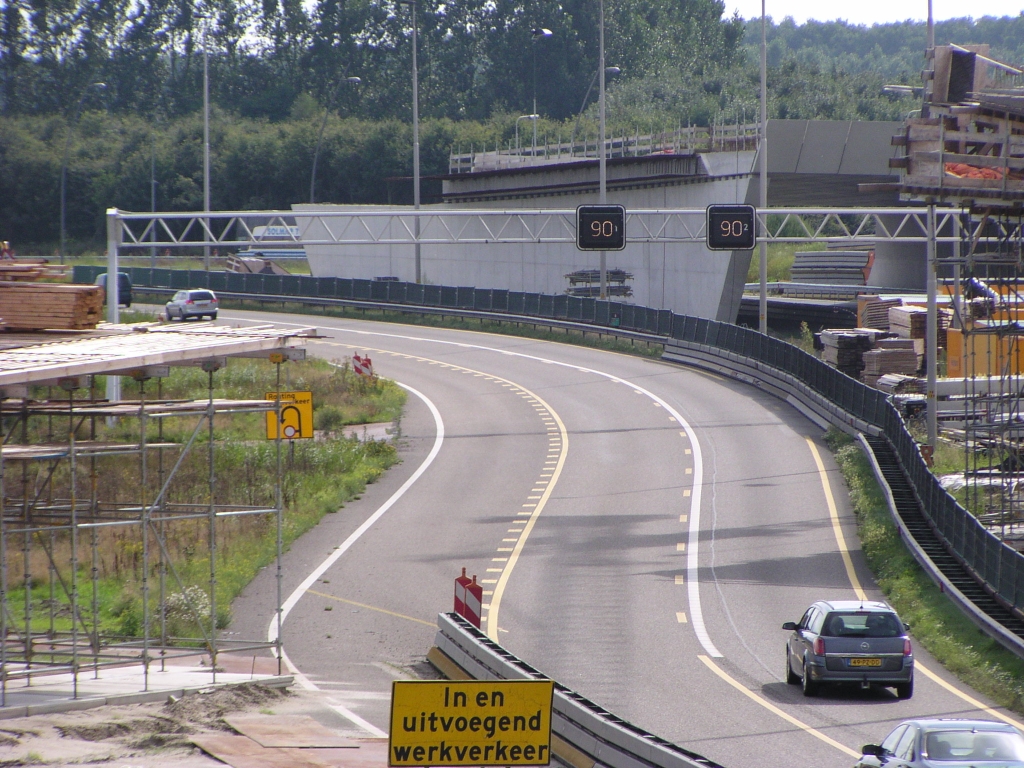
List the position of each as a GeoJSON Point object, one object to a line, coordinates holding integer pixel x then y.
{"type": "Point", "coordinates": [90, 485]}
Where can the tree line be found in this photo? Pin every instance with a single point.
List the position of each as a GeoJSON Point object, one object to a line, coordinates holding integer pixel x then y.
{"type": "Point", "coordinates": [116, 88]}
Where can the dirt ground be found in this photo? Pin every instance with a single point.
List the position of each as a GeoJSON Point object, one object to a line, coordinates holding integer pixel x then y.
{"type": "Point", "coordinates": [143, 735]}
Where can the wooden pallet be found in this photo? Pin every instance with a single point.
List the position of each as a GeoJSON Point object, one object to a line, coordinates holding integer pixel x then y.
{"type": "Point", "coordinates": [36, 306]}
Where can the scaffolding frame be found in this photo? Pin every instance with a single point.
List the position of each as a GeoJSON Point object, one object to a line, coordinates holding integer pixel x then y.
{"type": "Point", "coordinates": [31, 645]}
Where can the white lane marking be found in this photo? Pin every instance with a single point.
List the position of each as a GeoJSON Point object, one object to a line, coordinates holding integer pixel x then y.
{"type": "Point", "coordinates": [692, 554]}
{"type": "Point", "coordinates": [331, 559]}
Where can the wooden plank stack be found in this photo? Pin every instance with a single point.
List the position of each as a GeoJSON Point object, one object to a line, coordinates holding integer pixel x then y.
{"type": "Point", "coordinates": [35, 306]}
{"type": "Point", "coordinates": [899, 384]}
{"type": "Point", "coordinates": [873, 311]}
{"type": "Point", "coordinates": [890, 356]}
{"type": "Point", "coordinates": [908, 322]}
{"type": "Point", "coordinates": [30, 270]}
{"type": "Point", "coordinates": [844, 348]}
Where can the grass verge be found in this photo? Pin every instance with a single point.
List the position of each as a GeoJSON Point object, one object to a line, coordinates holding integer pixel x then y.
{"type": "Point", "coordinates": [936, 623]}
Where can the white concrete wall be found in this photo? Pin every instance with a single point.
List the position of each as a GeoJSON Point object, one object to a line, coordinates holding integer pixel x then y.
{"type": "Point", "coordinates": [685, 278]}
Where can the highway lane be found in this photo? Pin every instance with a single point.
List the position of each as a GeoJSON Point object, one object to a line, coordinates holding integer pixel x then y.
{"type": "Point", "coordinates": [600, 595]}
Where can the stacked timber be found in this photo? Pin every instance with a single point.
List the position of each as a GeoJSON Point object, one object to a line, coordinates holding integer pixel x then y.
{"type": "Point", "coordinates": [873, 311]}
{"type": "Point", "coordinates": [908, 322]}
{"type": "Point", "coordinates": [890, 356]}
{"type": "Point", "coordinates": [830, 267]}
{"type": "Point", "coordinates": [900, 384]}
{"type": "Point", "coordinates": [30, 270]}
{"type": "Point", "coordinates": [844, 348]}
{"type": "Point", "coordinates": [36, 306]}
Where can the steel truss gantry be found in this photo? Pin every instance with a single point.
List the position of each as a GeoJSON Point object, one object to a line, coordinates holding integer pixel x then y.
{"type": "Point", "coordinates": [309, 225]}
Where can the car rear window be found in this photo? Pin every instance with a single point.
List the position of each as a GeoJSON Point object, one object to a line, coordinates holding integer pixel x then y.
{"type": "Point", "coordinates": [202, 296]}
{"type": "Point", "coordinates": [862, 624]}
{"type": "Point", "coordinates": [963, 746]}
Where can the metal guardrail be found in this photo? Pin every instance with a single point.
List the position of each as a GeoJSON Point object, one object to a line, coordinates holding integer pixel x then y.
{"type": "Point", "coordinates": [820, 391]}
{"type": "Point", "coordinates": [608, 740]}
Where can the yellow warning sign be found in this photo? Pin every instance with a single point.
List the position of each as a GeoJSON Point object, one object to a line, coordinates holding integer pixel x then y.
{"type": "Point", "coordinates": [470, 722]}
{"type": "Point", "coordinates": [296, 415]}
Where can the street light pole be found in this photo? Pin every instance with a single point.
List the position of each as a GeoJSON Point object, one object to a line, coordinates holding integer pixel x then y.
{"type": "Point", "coordinates": [602, 160]}
{"type": "Point", "coordinates": [762, 303]}
{"type": "Point", "coordinates": [537, 33]}
{"type": "Point", "coordinates": [526, 117]}
{"type": "Point", "coordinates": [206, 140]}
{"type": "Point", "coordinates": [320, 136]}
{"type": "Point", "coordinates": [415, 143]}
{"type": "Point", "coordinates": [64, 164]}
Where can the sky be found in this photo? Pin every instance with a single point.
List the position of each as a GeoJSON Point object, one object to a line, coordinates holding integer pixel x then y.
{"type": "Point", "coordinates": [873, 11]}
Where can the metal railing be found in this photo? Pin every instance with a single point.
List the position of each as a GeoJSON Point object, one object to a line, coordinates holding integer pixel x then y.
{"type": "Point", "coordinates": [850, 404]}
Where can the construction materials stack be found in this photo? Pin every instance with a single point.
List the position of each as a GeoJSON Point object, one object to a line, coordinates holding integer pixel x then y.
{"type": "Point", "coordinates": [890, 356]}
{"type": "Point", "coordinates": [27, 305]}
{"type": "Point", "coordinates": [830, 267]}
{"type": "Point", "coordinates": [844, 348]}
{"type": "Point", "coordinates": [873, 311]}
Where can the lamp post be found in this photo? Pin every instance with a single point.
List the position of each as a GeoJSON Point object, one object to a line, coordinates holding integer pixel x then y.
{"type": "Point", "coordinates": [538, 33]}
{"type": "Point", "coordinates": [602, 160]}
{"type": "Point", "coordinates": [525, 117]}
{"type": "Point", "coordinates": [579, 115]}
{"type": "Point", "coordinates": [206, 138]}
{"type": "Point", "coordinates": [762, 302]}
{"type": "Point", "coordinates": [320, 136]}
{"type": "Point", "coordinates": [415, 143]}
{"type": "Point", "coordinates": [64, 163]}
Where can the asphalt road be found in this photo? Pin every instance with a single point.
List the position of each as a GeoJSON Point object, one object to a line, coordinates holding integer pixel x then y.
{"type": "Point", "coordinates": [642, 531]}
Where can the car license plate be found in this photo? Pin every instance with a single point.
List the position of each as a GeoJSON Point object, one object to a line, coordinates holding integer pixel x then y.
{"type": "Point", "coordinates": [865, 662]}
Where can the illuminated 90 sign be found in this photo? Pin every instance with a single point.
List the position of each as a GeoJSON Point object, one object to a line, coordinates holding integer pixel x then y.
{"type": "Point", "coordinates": [731, 228]}
{"type": "Point", "coordinates": [600, 227]}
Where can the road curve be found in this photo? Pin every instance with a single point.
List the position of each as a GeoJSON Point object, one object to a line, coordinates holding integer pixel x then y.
{"type": "Point", "coordinates": [613, 506]}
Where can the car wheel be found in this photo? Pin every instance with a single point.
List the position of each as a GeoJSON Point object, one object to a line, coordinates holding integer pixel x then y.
{"type": "Point", "coordinates": [905, 690]}
{"type": "Point", "coordinates": [213, 316]}
{"type": "Point", "coordinates": [810, 687]}
{"type": "Point", "coordinates": [791, 677]}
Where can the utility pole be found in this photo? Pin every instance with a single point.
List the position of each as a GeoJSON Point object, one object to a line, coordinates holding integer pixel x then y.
{"type": "Point", "coordinates": [602, 160]}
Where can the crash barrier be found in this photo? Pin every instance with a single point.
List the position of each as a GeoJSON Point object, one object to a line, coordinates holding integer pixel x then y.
{"type": "Point", "coordinates": [822, 392]}
{"type": "Point", "coordinates": [577, 724]}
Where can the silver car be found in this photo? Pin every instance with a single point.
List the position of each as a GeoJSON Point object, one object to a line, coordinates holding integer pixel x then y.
{"type": "Point", "coordinates": [192, 303]}
{"type": "Point", "coordinates": [942, 743]}
{"type": "Point", "coordinates": [855, 642]}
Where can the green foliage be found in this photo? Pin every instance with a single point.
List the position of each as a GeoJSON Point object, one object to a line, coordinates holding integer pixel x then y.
{"type": "Point", "coordinates": [936, 623]}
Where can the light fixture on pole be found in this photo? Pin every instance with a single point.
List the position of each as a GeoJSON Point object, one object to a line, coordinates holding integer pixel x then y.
{"type": "Point", "coordinates": [762, 303]}
{"type": "Point", "coordinates": [320, 136]}
{"type": "Point", "coordinates": [525, 117]}
{"type": "Point", "coordinates": [64, 164]}
{"type": "Point", "coordinates": [415, 142]}
{"type": "Point", "coordinates": [537, 33]}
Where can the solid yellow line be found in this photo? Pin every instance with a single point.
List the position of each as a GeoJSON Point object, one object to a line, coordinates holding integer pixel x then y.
{"type": "Point", "coordinates": [372, 608]}
{"type": "Point", "coordinates": [855, 583]}
{"type": "Point", "coordinates": [837, 529]}
{"type": "Point", "coordinates": [775, 710]}
{"type": "Point", "coordinates": [499, 590]}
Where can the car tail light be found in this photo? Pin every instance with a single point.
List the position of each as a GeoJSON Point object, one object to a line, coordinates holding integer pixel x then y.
{"type": "Point", "coordinates": [907, 650]}
{"type": "Point", "coordinates": [819, 646]}
{"type": "Point", "coordinates": [188, 301]}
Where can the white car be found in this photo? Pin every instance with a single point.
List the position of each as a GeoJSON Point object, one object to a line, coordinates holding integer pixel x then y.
{"type": "Point", "coordinates": [197, 303]}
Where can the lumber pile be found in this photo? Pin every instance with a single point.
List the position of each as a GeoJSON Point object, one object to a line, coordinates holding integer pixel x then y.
{"type": "Point", "coordinates": [36, 306]}
{"type": "Point", "coordinates": [873, 311]}
{"type": "Point", "coordinates": [900, 384]}
{"type": "Point", "coordinates": [908, 322]}
{"type": "Point", "coordinates": [890, 356]}
{"type": "Point", "coordinates": [30, 270]}
{"type": "Point", "coordinates": [844, 348]}
{"type": "Point", "coordinates": [831, 267]}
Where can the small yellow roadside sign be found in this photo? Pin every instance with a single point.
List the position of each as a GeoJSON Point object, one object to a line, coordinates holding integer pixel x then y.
{"type": "Point", "coordinates": [470, 722]}
{"type": "Point", "coordinates": [296, 415]}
